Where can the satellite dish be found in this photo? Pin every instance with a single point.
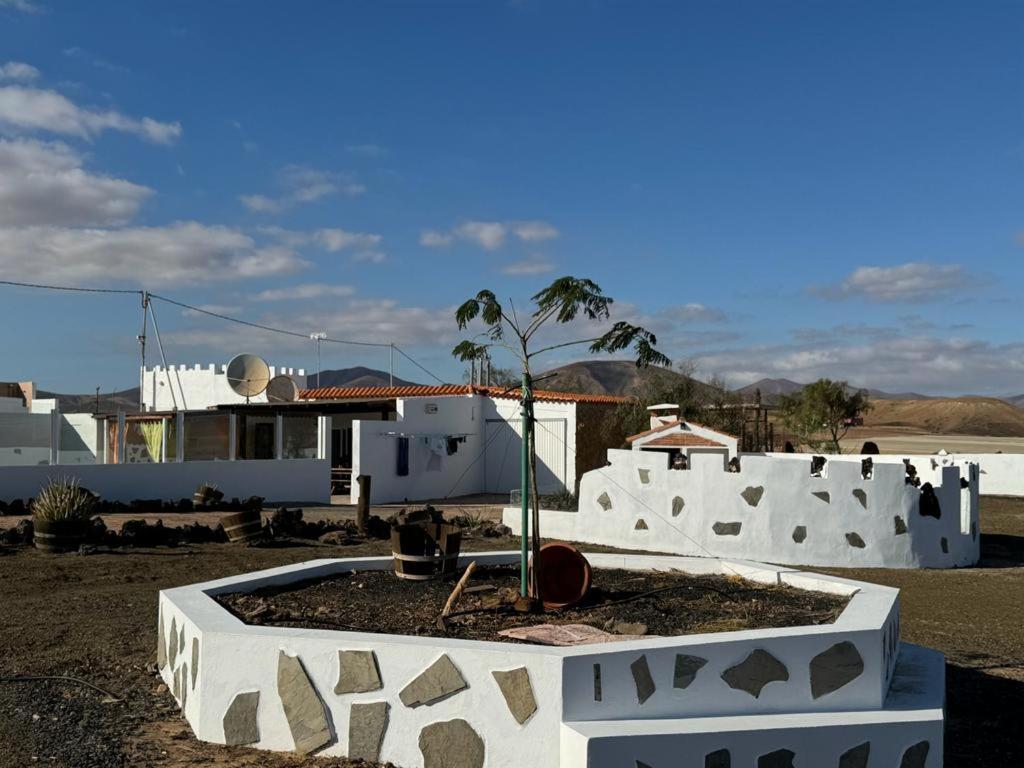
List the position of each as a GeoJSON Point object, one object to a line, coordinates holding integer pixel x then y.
{"type": "Point", "coordinates": [248, 375]}
{"type": "Point", "coordinates": [282, 389]}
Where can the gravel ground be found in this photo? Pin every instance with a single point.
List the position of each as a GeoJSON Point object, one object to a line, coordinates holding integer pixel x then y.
{"type": "Point", "coordinates": [94, 618]}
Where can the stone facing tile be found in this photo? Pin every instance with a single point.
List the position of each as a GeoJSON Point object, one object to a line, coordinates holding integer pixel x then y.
{"type": "Point", "coordinates": [357, 672]}
{"type": "Point", "coordinates": [161, 644]}
{"type": "Point", "coordinates": [686, 670]}
{"type": "Point", "coordinates": [305, 712]}
{"type": "Point", "coordinates": [367, 723]}
{"type": "Point", "coordinates": [451, 744]}
{"type": "Point", "coordinates": [915, 756]}
{"type": "Point", "coordinates": [800, 534]}
{"type": "Point", "coordinates": [720, 758]}
{"type": "Point", "coordinates": [727, 529]}
{"type": "Point", "coordinates": [241, 724]}
{"type": "Point", "coordinates": [835, 667]}
{"type": "Point", "coordinates": [862, 496]}
{"type": "Point", "coordinates": [755, 672]}
{"type": "Point", "coordinates": [752, 494]}
{"type": "Point", "coordinates": [780, 758]}
{"type": "Point", "coordinates": [854, 540]}
{"type": "Point", "coordinates": [645, 475]}
{"type": "Point", "coordinates": [605, 501]}
{"type": "Point", "coordinates": [823, 495]}
{"type": "Point", "coordinates": [677, 505]}
{"type": "Point", "coordinates": [438, 681]}
{"type": "Point", "coordinates": [515, 686]}
{"type": "Point", "coordinates": [857, 757]}
{"type": "Point", "coordinates": [195, 660]}
{"type": "Point", "coordinates": [642, 679]}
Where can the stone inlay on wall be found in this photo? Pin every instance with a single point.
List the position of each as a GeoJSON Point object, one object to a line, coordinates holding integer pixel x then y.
{"type": "Point", "coordinates": [195, 660]}
{"type": "Point", "coordinates": [944, 543]}
{"type": "Point", "coordinates": [451, 744]}
{"type": "Point", "coordinates": [854, 540]}
{"type": "Point", "coordinates": [645, 475]}
{"type": "Point", "coordinates": [929, 502]}
{"type": "Point", "coordinates": [367, 722]}
{"type": "Point", "coordinates": [642, 678]}
{"type": "Point", "coordinates": [720, 758]}
{"type": "Point", "coordinates": [605, 501]}
{"type": "Point", "coordinates": [857, 757]}
{"type": "Point", "coordinates": [900, 525]}
{"type": "Point", "coordinates": [357, 672]}
{"type": "Point", "coordinates": [181, 639]}
{"type": "Point", "coordinates": [823, 495]}
{"type": "Point", "coordinates": [862, 496]}
{"type": "Point", "coordinates": [752, 495]}
{"type": "Point", "coordinates": [438, 681]}
{"type": "Point", "coordinates": [641, 525]}
{"type": "Point", "coordinates": [686, 670]}
{"type": "Point", "coordinates": [780, 758]}
{"type": "Point", "coordinates": [835, 667]}
{"type": "Point", "coordinates": [799, 534]}
{"type": "Point", "coordinates": [241, 725]}
{"type": "Point", "coordinates": [755, 672]}
{"type": "Point", "coordinates": [161, 644]}
{"type": "Point", "coordinates": [305, 713]}
{"type": "Point", "coordinates": [176, 684]}
{"type": "Point", "coordinates": [172, 649]}
{"type": "Point", "coordinates": [915, 756]}
{"type": "Point", "coordinates": [515, 687]}
{"type": "Point", "coordinates": [597, 682]}
{"type": "Point", "coordinates": [727, 529]}
{"type": "Point", "coordinates": [677, 505]}
{"type": "Point", "coordinates": [183, 685]}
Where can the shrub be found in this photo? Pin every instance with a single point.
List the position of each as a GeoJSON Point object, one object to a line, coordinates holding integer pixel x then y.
{"type": "Point", "coordinates": [64, 499]}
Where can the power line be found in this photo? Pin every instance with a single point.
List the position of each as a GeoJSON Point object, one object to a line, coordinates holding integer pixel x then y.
{"type": "Point", "coordinates": [438, 379]}
{"type": "Point", "coordinates": [69, 288]}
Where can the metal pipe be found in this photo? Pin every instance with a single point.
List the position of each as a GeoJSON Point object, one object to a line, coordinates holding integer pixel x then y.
{"type": "Point", "coordinates": [524, 490]}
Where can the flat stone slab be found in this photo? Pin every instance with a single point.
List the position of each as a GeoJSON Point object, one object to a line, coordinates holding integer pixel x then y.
{"type": "Point", "coordinates": [515, 686]}
{"type": "Point", "coordinates": [755, 672]}
{"type": "Point", "coordinates": [915, 756]}
{"type": "Point", "coordinates": [727, 529]}
{"type": "Point", "coordinates": [780, 758]}
{"type": "Point", "coordinates": [451, 744]}
{"type": "Point", "coordinates": [800, 534]}
{"type": "Point", "coordinates": [823, 495]}
{"type": "Point", "coordinates": [642, 679]}
{"type": "Point", "coordinates": [195, 660]}
{"type": "Point", "coordinates": [605, 501]}
{"type": "Point", "coordinates": [161, 644]}
{"type": "Point", "coordinates": [241, 725]}
{"type": "Point", "coordinates": [857, 757]}
{"type": "Point", "coordinates": [357, 672]}
{"type": "Point", "coordinates": [686, 670]}
{"type": "Point", "coordinates": [720, 758]}
{"type": "Point", "coordinates": [899, 525]}
{"type": "Point", "coordinates": [305, 712]}
{"type": "Point", "coordinates": [565, 634]}
{"type": "Point", "coordinates": [862, 496]}
{"type": "Point", "coordinates": [677, 505]}
{"type": "Point", "coordinates": [854, 540]}
{"type": "Point", "coordinates": [172, 648]}
{"type": "Point", "coordinates": [833, 668]}
{"type": "Point", "coordinates": [641, 525]}
{"type": "Point", "coordinates": [752, 494]}
{"type": "Point", "coordinates": [645, 475]}
{"type": "Point", "coordinates": [438, 681]}
{"type": "Point", "coordinates": [367, 722]}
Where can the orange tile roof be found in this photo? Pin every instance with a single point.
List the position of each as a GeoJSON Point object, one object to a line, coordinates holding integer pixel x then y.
{"type": "Point", "coordinates": [450, 390]}
{"type": "Point", "coordinates": [683, 439]}
{"type": "Point", "coordinates": [653, 430]}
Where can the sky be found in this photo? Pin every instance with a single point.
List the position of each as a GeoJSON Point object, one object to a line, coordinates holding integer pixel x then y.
{"type": "Point", "coordinates": [785, 189]}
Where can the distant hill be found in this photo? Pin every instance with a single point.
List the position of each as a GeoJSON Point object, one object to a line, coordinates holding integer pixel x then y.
{"type": "Point", "coordinates": [987, 416]}
{"type": "Point", "coordinates": [771, 389]}
{"type": "Point", "coordinates": [1017, 400]}
{"type": "Point", "coordinates": [605, 377]}
{"type": "Point", "coordinates": [359, 376]}
{"type": "Point", "coordinates": [123, 400]}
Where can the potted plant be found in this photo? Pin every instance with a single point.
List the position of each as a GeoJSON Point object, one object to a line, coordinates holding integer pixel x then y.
{"type": "Point", "coordinates": [61, 514]}
{"type": "Point", "coordinates": [206, 495]}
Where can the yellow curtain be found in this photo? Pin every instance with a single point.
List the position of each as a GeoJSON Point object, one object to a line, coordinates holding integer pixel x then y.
{"type": "Point", "coordinates": [152, 433]}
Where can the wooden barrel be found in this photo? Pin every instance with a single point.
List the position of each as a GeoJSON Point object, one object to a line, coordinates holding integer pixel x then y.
{"type": "Point", "coordinates": [243, 526]}
{"type": "Point", "coordinates": [56, 536]}
{"type": "Point", "coordinates": [425, 551]}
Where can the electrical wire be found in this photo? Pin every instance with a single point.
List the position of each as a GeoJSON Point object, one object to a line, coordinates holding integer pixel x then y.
{"type": "Point", "coordinates": [69, 288]}
{"type": "Point", "coordinates": [402, 352]}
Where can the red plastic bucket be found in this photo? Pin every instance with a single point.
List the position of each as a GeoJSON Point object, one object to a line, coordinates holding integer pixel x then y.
{"type": "Point", "coordinates": [564, 575]}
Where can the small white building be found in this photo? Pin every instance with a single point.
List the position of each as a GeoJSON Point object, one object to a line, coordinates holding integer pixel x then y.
{"type": "Point", "coordinates": [34, 431]}
{"type": "Point", "coordinates": [672, 435]}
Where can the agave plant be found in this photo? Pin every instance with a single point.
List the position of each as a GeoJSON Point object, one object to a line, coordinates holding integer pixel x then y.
{"type": "Point", "coordinates": [64, 499]}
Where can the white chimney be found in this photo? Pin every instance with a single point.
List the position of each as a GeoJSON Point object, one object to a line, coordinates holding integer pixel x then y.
{"type": "Point", "coordinates": [665, 413]}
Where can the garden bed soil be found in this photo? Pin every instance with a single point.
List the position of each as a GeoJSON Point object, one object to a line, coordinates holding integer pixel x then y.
{"type": "Point", "coordinates": [620, 601]}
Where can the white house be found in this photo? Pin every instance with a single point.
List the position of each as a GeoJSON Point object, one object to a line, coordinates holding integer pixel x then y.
{"type": "Point", "coordinates": [195, 388]}
{"type": "Point", "coordinates": [672, 435]}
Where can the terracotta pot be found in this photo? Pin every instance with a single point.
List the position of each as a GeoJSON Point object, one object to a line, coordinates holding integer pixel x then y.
{"type": "Point", "coordinates": [564, 575]}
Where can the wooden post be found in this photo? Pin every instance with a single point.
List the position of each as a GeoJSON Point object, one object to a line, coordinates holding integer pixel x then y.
{"type": "Point", "coordinates": [363, 505]}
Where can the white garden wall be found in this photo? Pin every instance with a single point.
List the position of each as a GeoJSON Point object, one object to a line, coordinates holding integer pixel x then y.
{"type": "Point", "coordinates": [181, 387]}
{"type": "Point", "coordinates": [775, 510]}
{"type": "Point", "coordinates": [285, 480]}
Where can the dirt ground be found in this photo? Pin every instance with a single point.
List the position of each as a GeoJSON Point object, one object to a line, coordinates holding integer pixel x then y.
{"type": "Point", "coordinates": [94, 618]}
{"type": "Point", "coordinates": [914, 441]}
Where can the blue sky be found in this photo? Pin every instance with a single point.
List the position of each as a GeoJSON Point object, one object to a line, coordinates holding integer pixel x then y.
{"type": "Point", "coordinates": [777, 189]}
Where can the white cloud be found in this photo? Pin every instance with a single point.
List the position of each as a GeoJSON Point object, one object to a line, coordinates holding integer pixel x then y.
{"type": "Point", "coordinates": [307, 291]}
{"type": "Point", "coordinates": [366, 150]}
{"type": "Point", "coordinates": [219, 309]}
{"type": "Point", "coordinates": [17, 70]}
{"type": "Point", "coordinates": [331, 240]}
{"type": "Point", "coordinates": [44, 184]}
{"type": "Point", "coordinates": [35, 109]}
{"type": "Point", "coordinates": [21, 5]}
{"type": "Point", "coordinates": [370, 257]}
{"type": "Point", "coordinates": [489, 235]}
{"type": "Point", "coordinates": [531, 266]}
{"type": "Point", "coordinates": [338, 239]}
{"type": "Point", "coordinates": [184, 253]}
{"type": "Point", "coordinates": [915, 282]}
{"type": "Point", "coordinates": [302, 184]}
{"type": "Point", "coordinates": [690, 313]}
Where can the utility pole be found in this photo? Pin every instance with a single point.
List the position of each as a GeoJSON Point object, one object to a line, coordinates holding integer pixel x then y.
{"type": "Point", "coordinates": [142, 347]}
{"type": "Point", "coordinates": [318, 336]}
{"type": "Point", "coordinates": [391, 364]}
{"type": "Point", "coordinates": [524, 488]}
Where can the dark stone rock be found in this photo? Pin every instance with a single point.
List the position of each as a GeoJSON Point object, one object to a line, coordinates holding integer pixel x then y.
{"type": "Point", "coordinates": [605, 501]}
{"type": "Point", "coordinates": [597, 682]}
{"type": "Point", "coordinates": [642, 678]}
{"type": "Point", "coordinates": [944, 543]}
{"type": "Point", "coordinates": [823, 495]}
{"type": "Point", "coordinates": [727, 529]}
{"type": "Point", "coordinates": [929, 503]}
{"type": "Point", "coordinates": [752, 494]}
{"type": "Point", "coordinates": [686, 670]}
{"type": "Point", "coordinates": [241, 725]}
{"type": "Point", "coordinates": [366, 725]}
{"type": "Point", "coordinates": [626, 627]}
{"type": "Point", "coordinates": [515, 687]}
{"type": "Point", "coordinates": [357, 672]}
{"type": "Point", "coordinates": [451, 744]}
{"type": "Point", "coordinates": [862, 496]}
{"type": "Point", "coordinates": [641, 525]}
{"type": "Point", "coordinates": [901, 526]}
{"type": "Point", "coordinates": [799, 534]}
{"type": "Point", "coordinates": [915, 756]}
{"type": "Point", "coordinates": [677, 505]}
{"type": "Point", "coordinates": [720, 758]}
{"type": "Point", "coordinates": [195, 660]}
{"type": "Point", "coordinates": [835, 667]}
{"type": "Point", "coordinates": [305, 712]}
{"type": "Point", "coordinates": [645, 475]}
{"type": "Point", "coordinates": [857, 757]}
{"type": "Point", "coordinates": [780, 758]}
{"type": "Point", "coordinates": [854, 540]}
{"type": "Point", "coordinates": [438, 681]}
{"type": "Point", "coordinates": [755, 672]}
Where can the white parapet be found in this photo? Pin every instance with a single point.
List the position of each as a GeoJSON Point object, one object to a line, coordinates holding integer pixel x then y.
{"type": "Point", "coordinates": [781, 509]}
{"type": "Point", "coordinates": [620, 704]}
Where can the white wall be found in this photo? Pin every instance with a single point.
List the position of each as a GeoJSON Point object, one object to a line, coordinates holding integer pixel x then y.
{"type": "Point", "coordinates": [78, 438]}
{"type": "Point", "coordinates": [640, 487]}
{"type": "Point", "coordinates": [287, 480]}
{"type": "Point", "coordinates": [180, 387]}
